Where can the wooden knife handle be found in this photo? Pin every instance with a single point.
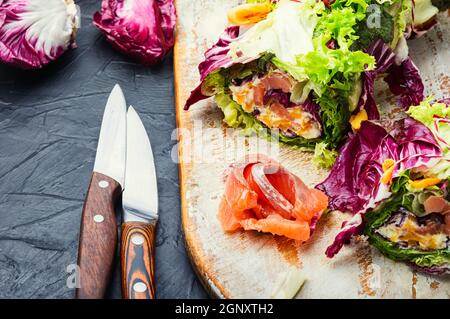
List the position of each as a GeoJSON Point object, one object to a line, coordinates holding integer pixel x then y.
{"type": "Point", "coordinates": [138, 260]}
{"type": "Point", "coordinates": [98, 237]}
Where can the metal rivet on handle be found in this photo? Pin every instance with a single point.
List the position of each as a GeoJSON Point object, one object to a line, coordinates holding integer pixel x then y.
{"type": "Point", "coordinates": [138, 240]}
{"type": "Point", "coordinates": [99, 218]}
{"type": "Point", "coordinates": [139, 287]}
{"type": "Point", "coordinates": [103, 184]}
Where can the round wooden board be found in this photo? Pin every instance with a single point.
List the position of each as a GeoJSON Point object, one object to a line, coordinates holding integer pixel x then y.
{"type": "Point", "coordinates": [246, 264]}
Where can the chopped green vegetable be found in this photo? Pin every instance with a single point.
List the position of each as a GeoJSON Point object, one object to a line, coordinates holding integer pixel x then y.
{"type": "Point", "coordinates": [403, 17]}
{"type": "Point", "coordinates": [323, 157]}
{"type": "Point", "coordinates": [288, 284]}
{"type": "Point", "coordinates": [367, 35]}
{"type": "Point", "coordinates": [426, 112]}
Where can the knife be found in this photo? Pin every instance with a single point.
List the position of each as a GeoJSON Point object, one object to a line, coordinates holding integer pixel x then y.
{"type": "Point", "coordinates": [140, 214]}
{"type": "Point", "coordinates": [98, 233]}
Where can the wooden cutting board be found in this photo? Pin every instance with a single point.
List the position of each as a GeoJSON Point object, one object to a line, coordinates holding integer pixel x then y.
{"type": "Point", "coordinates": [246, 264]}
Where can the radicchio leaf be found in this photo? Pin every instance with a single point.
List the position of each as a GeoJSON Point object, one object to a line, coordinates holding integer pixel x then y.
{"type": "Point", "coordinates": [354, 183]}
{"type": "Point", "coordinates": [278, 95]}
{"type": "Point", "coordinates": [350, 228]}
{"type": "Point", "coordinates": [216, 57]}
{"type": "Point", "coordinates": [384, 57]}
{"type": "Point", "coordinates": [416, 144]}
{"type": "Point", "coordinates": [142, 29]}
{"type": "Point", "coordinates": [416, 31]}
{"type": "Point", "coordinates": [404, 80]}
{"type": "Point", "coordinates": [354, 177]}
{"type": "Point", "coordinates": [312, 108]}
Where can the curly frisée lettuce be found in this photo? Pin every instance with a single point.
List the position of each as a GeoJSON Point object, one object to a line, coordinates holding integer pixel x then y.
{"type": "Point", "coordinates": [34, 32]}
{"type": "Point", "coordinates": [323, 157]}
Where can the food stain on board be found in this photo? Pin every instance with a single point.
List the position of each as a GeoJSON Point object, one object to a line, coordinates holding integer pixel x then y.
{"type": "Point", "coordinates": [434, 285]}
{"type": "Point", "coordinates": [364, 259]}
{"type": "Point", "coordinates": [445, 83]}
{"type": "Point", "coordinates": [413, 286]}
{"type": "Point", "coordinates": [288, 250]}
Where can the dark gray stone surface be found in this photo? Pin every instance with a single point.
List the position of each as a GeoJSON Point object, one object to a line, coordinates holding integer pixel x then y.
{"type": "Point", "coordinates": [49, 126]}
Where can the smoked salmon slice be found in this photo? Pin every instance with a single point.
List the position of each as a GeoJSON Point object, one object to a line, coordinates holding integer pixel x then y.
{"type": "Point", "coordinates": [262, 195]}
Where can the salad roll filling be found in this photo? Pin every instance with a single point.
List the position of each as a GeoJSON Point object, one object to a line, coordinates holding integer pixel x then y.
{"type": "Point", "coordinates": [407, 230]}
{"type": "Point", "coordinates": [269, 98]}
{"type": "Point", "coordinates": [420, 217]}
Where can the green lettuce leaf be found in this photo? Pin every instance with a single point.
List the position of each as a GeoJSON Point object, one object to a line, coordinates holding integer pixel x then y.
{"type": "Point", "coordinates": [430, 115]}
{"type": "Point", "coordinates": [403, 17]}
{"type": "Point", "coordinates": [323, 157]}
{"type": "Point", "coordinates": [286, 32]}
{"type": "Point", "coordinates": [413, 198]}
{"type": "Point", "coordinates": [425, 111]}
{"type": "Point", "coordinates": [340, 23]}
{"type": "Point", "coordinates": [234, 115]}
{"type": "Point", "coordinates": [335, 120]}
{"type": "Point", "coordinates": [214, 83]}
{"type": "Point", "coordinates": [322, 65]}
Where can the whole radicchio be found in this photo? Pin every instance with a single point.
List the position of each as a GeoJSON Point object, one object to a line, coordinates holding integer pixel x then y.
{"type": "Point", "coordinates": [34, 32]}
{"type": "Point", "coordinates": [142, 29]}
{"type": "Point", "coordinates": [355, 181]}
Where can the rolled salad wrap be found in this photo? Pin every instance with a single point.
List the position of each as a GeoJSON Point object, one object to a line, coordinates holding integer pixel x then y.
{"type": "Point", "coordinates": [396, 182]}
{"type": "Point", "coordinates": [304, 71]}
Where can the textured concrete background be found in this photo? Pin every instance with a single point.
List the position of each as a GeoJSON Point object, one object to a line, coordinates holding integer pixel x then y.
{"type": "Point", "coordinates": [49, 126]}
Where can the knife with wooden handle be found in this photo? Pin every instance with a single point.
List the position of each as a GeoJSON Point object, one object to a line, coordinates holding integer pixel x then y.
{"type": "Point", "coordinates": [140, 207]}
{"type": "Point", "coordinates": [98, 231]}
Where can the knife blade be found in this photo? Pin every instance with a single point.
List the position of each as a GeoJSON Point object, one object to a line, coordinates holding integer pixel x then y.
{"type": "Point", "coordinates": [140, 206]}
{"type": "Point", "coordinates": [98, 231]}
